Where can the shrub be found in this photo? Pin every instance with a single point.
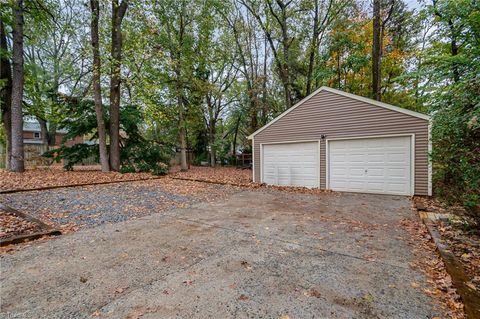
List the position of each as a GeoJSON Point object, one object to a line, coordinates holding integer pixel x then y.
{"type": "Point", "coordinates": [146, 156]}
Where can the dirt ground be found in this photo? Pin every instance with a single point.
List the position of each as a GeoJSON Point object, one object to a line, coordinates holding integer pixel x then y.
{"type": "Point", "coordinates": [255, 253]}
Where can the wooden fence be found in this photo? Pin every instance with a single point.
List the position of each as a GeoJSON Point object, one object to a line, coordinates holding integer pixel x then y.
{"type": "Point", "coordinates": [33, 155]}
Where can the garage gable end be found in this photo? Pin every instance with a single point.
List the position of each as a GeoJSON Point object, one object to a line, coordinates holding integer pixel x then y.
{"type": "Point", "coordinates": [371, 102]}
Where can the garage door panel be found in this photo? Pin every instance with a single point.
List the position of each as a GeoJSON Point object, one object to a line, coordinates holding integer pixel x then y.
{"type": "Point", "coordinates": [376, 172]}
{"type": "Point", "coordinates": [376, 186]}
{"type": "Point", "coordinates": [355, 172]}
{"type": "Point", "coordinates": [291, 164]}
{"type": "Point", "coordinates": [400, 173]}
{"type": "Point", "coordinates": [359, 158]}
{"type": "Point", "coordinates": [397, 158]}
{"type": "Point", "coordinates": [378, 165]}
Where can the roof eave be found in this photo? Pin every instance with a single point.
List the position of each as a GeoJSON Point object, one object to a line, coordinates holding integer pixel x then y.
{"type": "Point", "coordinates": [350, 95]}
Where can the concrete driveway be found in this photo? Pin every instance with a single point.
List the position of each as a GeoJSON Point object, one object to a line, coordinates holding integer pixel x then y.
{"type": "Point", "coordinates": [258, 254]}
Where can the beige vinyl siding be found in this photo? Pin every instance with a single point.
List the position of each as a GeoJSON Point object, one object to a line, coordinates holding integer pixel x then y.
{"type": "Point", "coordinates": [338, 116]}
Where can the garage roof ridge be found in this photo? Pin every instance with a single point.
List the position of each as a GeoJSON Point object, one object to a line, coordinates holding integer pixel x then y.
{"type": "Point", "coordinates": [349, 95]}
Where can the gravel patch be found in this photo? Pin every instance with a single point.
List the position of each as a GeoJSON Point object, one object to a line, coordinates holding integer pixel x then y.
{"type": "Point", "coordinates": [90, 206]}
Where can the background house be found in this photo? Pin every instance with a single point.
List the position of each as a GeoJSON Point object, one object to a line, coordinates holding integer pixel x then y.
{"type": "Point", "coordinates": [35, 144]}
{"type": "Point", "coordinates": [32, 135]}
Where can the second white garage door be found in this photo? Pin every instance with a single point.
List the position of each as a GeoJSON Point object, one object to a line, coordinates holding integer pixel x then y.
{"type": "Point", "coordinates": [371, 165]}
{"type": "Point", "coordinates": [291, 164]}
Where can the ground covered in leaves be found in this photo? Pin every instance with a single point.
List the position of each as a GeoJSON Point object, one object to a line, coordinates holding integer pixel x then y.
{"type": "Point", "coordinates": [429, 261]}
{"type": "Point", "coordinates": [12, 225]}
{"type": "Point", "coordinates": [221, 175]}
{"type": "Point", "coordinates": [56, 176]}
{"type": "Point", "coordinates": [465, 245]}
{"type": "Point", "coordinates": [461, 234]}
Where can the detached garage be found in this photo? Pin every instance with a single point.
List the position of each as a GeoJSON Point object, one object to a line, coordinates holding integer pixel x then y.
{"type": "Point", "coordinates": [344, 142]}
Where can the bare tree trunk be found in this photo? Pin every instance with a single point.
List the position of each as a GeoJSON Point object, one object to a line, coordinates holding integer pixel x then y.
{"type": "Point", "coordinates": [118, 12]}
{"type": "Point", "coordinates": [376, 51]}
{"type": "Point", "coordinates": [235, 138]}
{"type": "Point", "coordinates": [286, 42]}
{"type": "Point", "coordinates": [454, 50]}
{"type": "Point", "coordinates": [211, 137]}
{"type": "Point", "coordinates": [17, 159]}
{"type": "Point", "coordinates": [264, 87]}
{"type": "Point", "coordinates": [6, 95]}
{"type": "Point", "coordinates": [43, 130]}
{"type": "Point", "coordinates": [182, 134]}
{"type": "Point", "coordinates": [97, 90]}
{"type": "Point", "coordinates": [313, 50]}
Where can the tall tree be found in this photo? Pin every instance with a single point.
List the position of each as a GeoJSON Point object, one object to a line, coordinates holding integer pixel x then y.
{"type": "Point", "coordinates": [17, 158]}
{"type": "Point", "coordinates": [57, 65]}
{"type": "Point", "coordinates": [177, 18]}
{"type": "Point", "coordinates": [97, 90]}
{"type": "Point", "coordinates": [274, 17]}
{"type": "Point", "coordinates": [376, 51]}
{"type": "Point", "coordinates": [180, 97]}
{"type": "Point", "coordinates": [248, 55]}
{"type": "Point", "coordinates": [323, 14]}
{"type": "Point", "coordinates": [6, 93]}
{"type": "Point", "coordinates": [380, 19]}
{"type": "Point", "coordinates": [118, 13]}
{"type": "Point", "coordinates": [453, 36]}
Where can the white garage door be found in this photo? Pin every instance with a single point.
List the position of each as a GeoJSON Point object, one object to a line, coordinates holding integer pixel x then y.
{"type": "Point", "coordinates": [371, 165]}
{"type": "Point", "coordinates": [291, 164]}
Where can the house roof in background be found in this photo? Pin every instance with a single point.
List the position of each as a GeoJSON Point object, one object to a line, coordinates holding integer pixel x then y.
{"type": "Point", "coordinates": [30, 125]}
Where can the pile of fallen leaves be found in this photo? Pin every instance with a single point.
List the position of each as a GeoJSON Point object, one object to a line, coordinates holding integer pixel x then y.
{"type": "Point", "coordinates": [466, 247]}
{"type": "Point", "coordinates": [56, 176]}
{"type": "Point", "coordinates": [462, 235]}
{"type": "Point", "coordinates": [220, 175]}
{"type": "Point", "coordinates": [429, 262]}
{"type": "Point", "coordinates": [12, 225]}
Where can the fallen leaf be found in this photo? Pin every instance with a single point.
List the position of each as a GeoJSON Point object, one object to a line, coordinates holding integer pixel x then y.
{"type": "Point", "coordinates": [243, 297]}
{"type": "Point", "coordinates": [120, 290]}
{"type": "Point", "coordinates": [367, 297]}
{"type": "Point", "coordinates": [188, 282]}
{"type": "Point", "coordinates": [312, 293]}
{"type": "Point", "coordinates": [471, 285]}
{"type": "Point", "coordinates": [246, 264]}
{"type": "Point", "coordinates": [96, 313]}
